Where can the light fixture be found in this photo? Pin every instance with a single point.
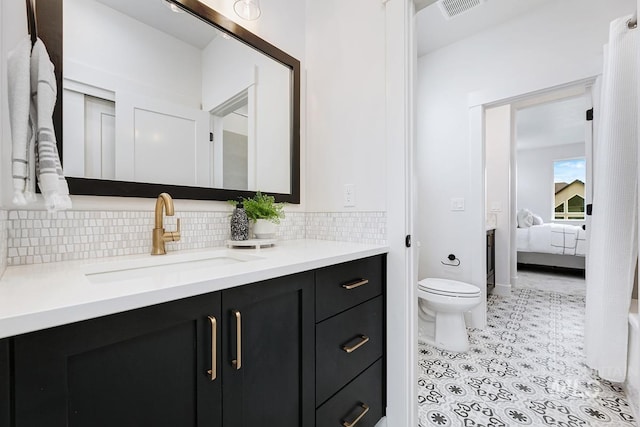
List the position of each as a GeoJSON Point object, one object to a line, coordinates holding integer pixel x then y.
{"type": "Point", "coordinates": [173, 7]}
{"type": "Point", "coordinates": [247, 9]}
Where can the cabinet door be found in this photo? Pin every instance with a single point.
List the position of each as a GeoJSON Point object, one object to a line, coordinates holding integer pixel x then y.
{"type": "Point", "coordinates": [5, 383]}
{"type": "Point", "coordinates": [146, 367]}
{"type": "Point", "coordinates": [268, 364]}
{"type": "Point", "coordinates": [491, 259]}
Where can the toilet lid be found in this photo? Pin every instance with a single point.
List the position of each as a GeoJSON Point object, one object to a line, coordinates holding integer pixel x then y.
{"type": "Point", "coordinates": [446, 286]}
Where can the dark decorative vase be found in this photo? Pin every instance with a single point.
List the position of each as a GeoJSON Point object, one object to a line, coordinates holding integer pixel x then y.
{"type": "Point", "coordinates": [239, 223]}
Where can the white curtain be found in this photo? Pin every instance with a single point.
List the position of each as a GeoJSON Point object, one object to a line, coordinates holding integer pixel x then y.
{"type": "Point", "coordinates": [613, 247]}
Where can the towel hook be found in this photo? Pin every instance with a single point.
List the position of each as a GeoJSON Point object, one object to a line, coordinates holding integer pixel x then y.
{"type": "Point", "coordinates": [632, 23]}
{"type": "Point", "coordinates": [454, 261]}
{"type": "Point", "coordinates": [32, 21]}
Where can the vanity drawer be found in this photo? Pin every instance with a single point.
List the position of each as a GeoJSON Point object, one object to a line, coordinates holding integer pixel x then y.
{"type": "Point", "coordinates": [353, 400]}
{"type": "Point", "coordinates": [360, 331]}
{"type": "Point", "coordinates": [343, 286]}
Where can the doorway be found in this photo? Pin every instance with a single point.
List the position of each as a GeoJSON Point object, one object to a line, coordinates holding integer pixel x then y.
{"type": "Point", "coordinates": [232, 128]}
{"type": "Point", "coordinates": [538, 180]}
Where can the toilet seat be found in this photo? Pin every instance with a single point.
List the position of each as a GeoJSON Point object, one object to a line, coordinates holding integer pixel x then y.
{"type": "Point", "coordinates": [448, 288]}
{"type": "Point", "coordinates": [442, 304]}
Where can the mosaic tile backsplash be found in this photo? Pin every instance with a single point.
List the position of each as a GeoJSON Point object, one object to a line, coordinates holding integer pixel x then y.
{"type": "Point", "coordinates": [357, 227]}
{"type": "Point", "coordinates": [34, 237]}
{"type": "Point", "coordinates": [4, 215]}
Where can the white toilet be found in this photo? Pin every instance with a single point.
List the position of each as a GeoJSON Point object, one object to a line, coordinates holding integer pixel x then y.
{"type": "Point", "coordinates": [441, 307]}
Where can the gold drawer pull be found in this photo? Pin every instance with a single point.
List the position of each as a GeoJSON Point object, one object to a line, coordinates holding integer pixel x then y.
{"type": "Point", "coordinates": [237, 362]}
{"type": "Point", "coordinates": [356, 284]}
{"type": "Point", "coordinates": [213, 372]}
{"type": "Point", "coordinates": [363, 340]}
{"type": "Point", "coordinates": [365, 409]}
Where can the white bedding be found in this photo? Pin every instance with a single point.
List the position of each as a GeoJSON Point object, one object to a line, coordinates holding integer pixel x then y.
{"type": "Point", "coordinates": [560, 239]}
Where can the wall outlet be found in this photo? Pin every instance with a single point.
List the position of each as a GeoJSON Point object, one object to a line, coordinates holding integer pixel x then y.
{"type": "Point", "coordinates": [349, 195]}
{"type": "Point", "coordinates": [496, 207]}
{"type": "Point", "coordinates": [457, 204]}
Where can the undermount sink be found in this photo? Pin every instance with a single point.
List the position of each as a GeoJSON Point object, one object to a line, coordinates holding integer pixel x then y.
{"type": "Point", "coordinates": [160, 265]}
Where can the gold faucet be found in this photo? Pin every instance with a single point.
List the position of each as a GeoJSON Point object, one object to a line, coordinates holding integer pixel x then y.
{"type": "Point", "coordinates": [164, 202]}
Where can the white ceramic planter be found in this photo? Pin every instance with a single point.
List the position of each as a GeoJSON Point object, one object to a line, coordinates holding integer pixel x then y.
{"type": "Point", "coordinates": [264, 229]}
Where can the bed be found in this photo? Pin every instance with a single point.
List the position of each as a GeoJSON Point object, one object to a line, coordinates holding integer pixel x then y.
{"type": "Point", "coordinates": [557, 245]}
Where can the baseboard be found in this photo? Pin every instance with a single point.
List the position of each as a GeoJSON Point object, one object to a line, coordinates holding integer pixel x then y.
{"type": "Point", "coordinates": [502, 289]}
{"type": "Point", "coordinates": [632, 398]}
{"type": "Point", "coordinates": [552, 269]}
{"type": "Point", "coordinates": [551, 260]}
{"type": "Point", "coordinates": [632, 382]}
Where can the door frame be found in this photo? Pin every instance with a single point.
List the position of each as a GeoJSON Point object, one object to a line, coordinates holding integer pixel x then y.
{"type": "Point", "coordinates": [402, 302]}
{"type": "Point", "coordinates": [516, 94]}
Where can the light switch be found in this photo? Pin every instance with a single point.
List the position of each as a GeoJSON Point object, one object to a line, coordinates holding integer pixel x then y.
{"type": "Point", "coordinates": [457, 204]}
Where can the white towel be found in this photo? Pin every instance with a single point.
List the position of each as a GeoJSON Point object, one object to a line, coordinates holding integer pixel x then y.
{"type": "Point", "coordinates": [48, 167]}
{"type": "Point", "coordinates": [32, 98]}
{"type": "Point", "coordinates": [22, 135]}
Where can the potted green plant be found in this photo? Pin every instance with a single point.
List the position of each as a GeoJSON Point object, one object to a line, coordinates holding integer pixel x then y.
{"type": "Point", "coordinates": [263, 211]}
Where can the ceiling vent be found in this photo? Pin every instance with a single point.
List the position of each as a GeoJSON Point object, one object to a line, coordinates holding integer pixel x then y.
{"type": "Point", "coordinates": [453, 8]}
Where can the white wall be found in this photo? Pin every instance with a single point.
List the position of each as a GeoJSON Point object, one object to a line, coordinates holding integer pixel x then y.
{"type": "Point", "coordinates": [535, 177]}
{"type": "Point", "coordinates": [346, 104]}
{"type": "Point", "coordinates": [498, 188]}
{"type": "Point", "coordinates": [358, 113]}
{"type": "Point", "coordinates": [3, 113]}
{"type": "Point", "coordinates": [556, 44]}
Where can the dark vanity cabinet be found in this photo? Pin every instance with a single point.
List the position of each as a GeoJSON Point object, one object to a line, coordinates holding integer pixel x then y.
{"type": "Point", "coordinates": [257, 354]}
{"type": "Point", "coordinates": [147, 367]}
{"type": "Point", "coordinates": [491, 260]}
{"type": "Point", "coordinates": [5, 383]}
{"type": "Point", "coordinates": [170, 364]}
{"type": "Point", "coordinates": [267, 368]}
{"type": "Point", "coordinates": [350, 343]}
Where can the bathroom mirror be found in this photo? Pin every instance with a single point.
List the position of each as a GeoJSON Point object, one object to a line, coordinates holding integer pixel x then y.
{"type": "Point", "coordinates": [172, 96]}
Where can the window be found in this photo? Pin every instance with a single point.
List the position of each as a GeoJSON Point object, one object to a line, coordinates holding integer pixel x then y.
{"type": "Point", "coordinates": [569, 178]}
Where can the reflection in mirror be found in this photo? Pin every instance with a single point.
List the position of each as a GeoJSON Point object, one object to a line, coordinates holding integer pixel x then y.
{"type": "Point", "coordinates": [154, 96]}
{"type": "Point", "coordinates": [235, 145]}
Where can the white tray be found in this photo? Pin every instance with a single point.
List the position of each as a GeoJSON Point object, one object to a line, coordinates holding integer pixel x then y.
{"type": "Point", "coordinates": [251, 243]}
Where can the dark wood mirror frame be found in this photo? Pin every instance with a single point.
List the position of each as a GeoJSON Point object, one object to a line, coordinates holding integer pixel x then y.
{"type": "Point", "coordinates": [49, 13]}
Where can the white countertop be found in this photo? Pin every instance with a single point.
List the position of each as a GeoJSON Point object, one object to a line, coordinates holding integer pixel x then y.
{"type": "Point", "coordinates": [34, 297]}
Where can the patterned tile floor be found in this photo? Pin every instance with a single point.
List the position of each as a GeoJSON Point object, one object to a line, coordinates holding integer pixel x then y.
{"type": "Point", "coordinates": [525, 369]}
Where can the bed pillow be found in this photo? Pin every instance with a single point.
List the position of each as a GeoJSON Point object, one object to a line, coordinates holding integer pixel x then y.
{"type": "Point", "coordinates": [537, 219]}
{"type": "Point", "coordinates": [525, 218]}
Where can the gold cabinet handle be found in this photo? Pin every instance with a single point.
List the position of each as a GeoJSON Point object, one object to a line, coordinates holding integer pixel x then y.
{"type": "Point", "coordinates": [213, 372]}
{"type": "Point", "coordinates": [356, 284]}
{"type": "Point", "coordinates": [237, 362]}
{"type": "Point", "coordinates": [363, 340]}
{"type": "Point", "coordinates": [365, 409]}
